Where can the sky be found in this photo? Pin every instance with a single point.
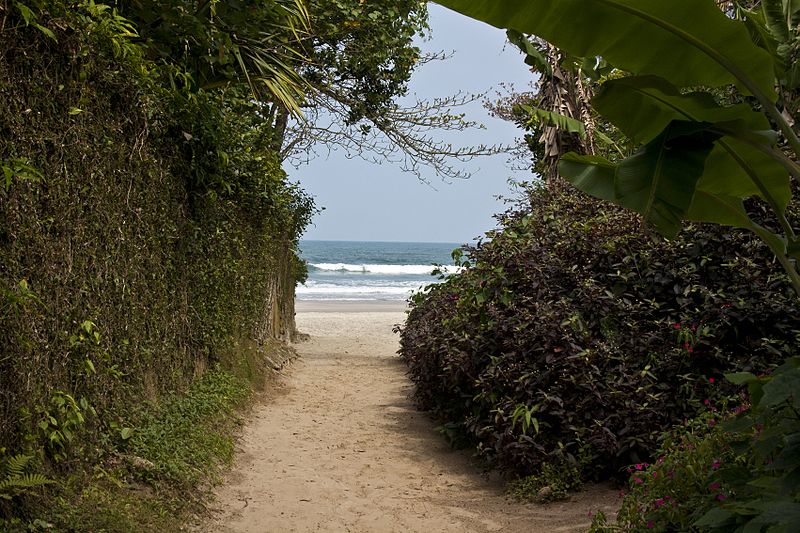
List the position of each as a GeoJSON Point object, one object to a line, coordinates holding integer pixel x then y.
{"type": "Point", "coordinates": [368, 202]}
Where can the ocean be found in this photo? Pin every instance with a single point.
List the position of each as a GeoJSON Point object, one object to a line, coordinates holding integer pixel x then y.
{"type": "Point", "coordinates": [351, 270]}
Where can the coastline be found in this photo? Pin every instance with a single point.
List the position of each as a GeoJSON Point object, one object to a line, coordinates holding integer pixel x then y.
{"type": "Point", "coordinates": [350, 306]}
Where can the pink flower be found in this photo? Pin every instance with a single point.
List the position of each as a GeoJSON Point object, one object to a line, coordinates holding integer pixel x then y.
{"type": "Point", "coordinates": [639, 466]}
{"type": "Point", "coordinates": [676, 326]}
{"type": "Point", "coordinates": [712, 423]}
{"type": "Point", "coordinates": [650, 524]}
{"type": "Point", "coordinates": [721, 497]}
{"type": "Point", "coordinates": [706, 402]}
{"type": "Point", "coordinates": [711, 380]}
{"type": "Point", "coordinates": [714, 486]}
{"type": "Point", "coordinates": [638, 480]}
{"type": "Point", "coordinates": [716, 464]}
{"type": "Point", "coordinates": [659, 502]}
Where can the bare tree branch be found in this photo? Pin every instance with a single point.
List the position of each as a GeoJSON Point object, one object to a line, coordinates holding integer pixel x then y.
{"type": "Point", "coordinates": [409, 136]}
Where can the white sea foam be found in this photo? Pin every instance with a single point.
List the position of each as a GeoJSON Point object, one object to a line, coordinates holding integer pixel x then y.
{"type": "Point", "coordinates": [329, 291]}
{"type": "Point", "coordinates": [381, 269]}
{"type": "Point", "coordinates": [302, 289]}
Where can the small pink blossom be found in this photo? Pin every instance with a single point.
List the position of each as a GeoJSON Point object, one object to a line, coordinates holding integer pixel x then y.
{"type": "Point", "coordinates": [716, 464]}
{"type": "Point", "coordinates": [721, 497]}
{"type": "Point", "coordinates": [650, 524]}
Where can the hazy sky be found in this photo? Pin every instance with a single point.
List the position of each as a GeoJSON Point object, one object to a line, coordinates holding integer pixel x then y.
{"type": "Point", "coordinates": [369, 202]}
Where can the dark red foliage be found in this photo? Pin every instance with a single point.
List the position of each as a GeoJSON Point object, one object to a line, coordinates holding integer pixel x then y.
{"type": "Point", "coordinates": [604, 334]}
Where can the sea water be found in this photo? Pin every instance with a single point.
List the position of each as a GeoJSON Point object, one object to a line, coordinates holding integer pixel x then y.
{"type": "Point", "coordinates": [350, 270]}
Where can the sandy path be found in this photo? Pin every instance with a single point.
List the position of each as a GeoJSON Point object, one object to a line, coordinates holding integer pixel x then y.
{"type": "Point", "coordinates": [340, 447]}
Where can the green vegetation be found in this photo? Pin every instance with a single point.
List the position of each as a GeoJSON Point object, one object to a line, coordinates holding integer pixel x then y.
{"type": "Point", "coordinates": [570, 336]}
{"type": "Point", "coordinates": [698, 159]}
{"type": "Point", "coordinates": [152, 471]}
{"type": "Point", "coordinates": [725, 471]}
{"type": "Point", "coordinates": [575, 337]}
{"type": "Point", "coordinates": [147, 235]}
{"type": "Point", "coordinates": [553, 483]}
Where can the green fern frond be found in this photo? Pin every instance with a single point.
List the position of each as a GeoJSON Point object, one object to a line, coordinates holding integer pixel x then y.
{"type": "Point", "coordinates": [26, 481]}
{"type": "Point", "coordinates": [15, 466]}
{"type": "Point", "coordinates": [15, 479]}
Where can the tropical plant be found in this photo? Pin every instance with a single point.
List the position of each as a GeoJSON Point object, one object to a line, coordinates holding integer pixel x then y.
{"type": "Point", "coordinates": [699, 159]}
{"type": "Point", "coordinates": [736, 475]}
{"type": "Point", "coordinates": [14, 478]}
{"type": "Point", "coordinates": [228, 42]}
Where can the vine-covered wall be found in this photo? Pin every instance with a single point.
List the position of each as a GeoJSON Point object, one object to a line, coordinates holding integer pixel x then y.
{"type": "Point", "coordinates": [144, 232]}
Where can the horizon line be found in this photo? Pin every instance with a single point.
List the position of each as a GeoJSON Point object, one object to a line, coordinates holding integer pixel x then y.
{"type": "Point", "coordinates": [388, 241]}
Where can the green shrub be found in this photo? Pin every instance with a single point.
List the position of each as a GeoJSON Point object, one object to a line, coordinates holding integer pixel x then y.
{"type": "Point", "coordinates": [571, 335]}
{"type": "Point", "coordinates": [143, 230]}
{"type": "Point", "coordinates": [732, 473]}
{"type": "Point", "coordinates": [675, 491]}
{"type": "Point", "coordinates": [554, 482]}
{"type": "Point", "coordinates": [146, 232]}
{"type": "Point", "coordinates": [181, 438]}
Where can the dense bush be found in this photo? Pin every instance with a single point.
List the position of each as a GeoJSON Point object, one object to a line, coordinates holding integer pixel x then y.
{"type": "Point", "coordinates": [740, 474]}
{"type": "Point", "coordinates": [573, 335]}
{"type": "Point", "coordinates": [144, 229]}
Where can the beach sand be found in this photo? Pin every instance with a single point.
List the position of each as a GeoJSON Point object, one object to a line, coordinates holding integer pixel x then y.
{"type": "Point", "coordinates": [338, 446]}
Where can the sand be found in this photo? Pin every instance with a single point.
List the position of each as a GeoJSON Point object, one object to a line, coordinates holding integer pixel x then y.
{"type": "Point", "coordinates": [339, 447]}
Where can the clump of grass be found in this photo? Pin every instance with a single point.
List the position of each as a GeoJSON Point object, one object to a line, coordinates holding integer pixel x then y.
{"type": "Point", "coordinates": [154, 479]}
{"type": "Point", "coordinates": [553, 483]}
{"type": "Point", "coordinates": [179, 441]}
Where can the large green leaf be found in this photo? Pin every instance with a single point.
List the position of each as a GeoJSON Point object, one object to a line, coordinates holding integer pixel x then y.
{"type": "Point", "coordinates": [533, 56]}
{"type": "Point", "coordinates": [775, 19]}
{"type": "Point", "coordinates": [659, 181]}
{"type": "Point", "coordinates": [719, 209]}
{"type": "Point", "coordinates": [690, 42]}
{"type": "Point", "coordinates": [642, 106]}
{"type": "Point", "coordinates": [551, 118]}
{"type": "Point", "coordinates": [591, 174]}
